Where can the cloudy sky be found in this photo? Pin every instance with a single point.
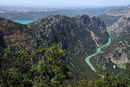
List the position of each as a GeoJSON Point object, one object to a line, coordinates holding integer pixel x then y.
{"type": "Point", "coordinates": [63, 3]}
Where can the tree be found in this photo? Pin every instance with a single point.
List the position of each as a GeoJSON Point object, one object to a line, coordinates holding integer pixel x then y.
{"type": "Point", "coordinates": [113, 81]}
{"type": "Point", "coordinates": [127, 70]}
{"type": "Point", "coordinates": [40, 67]}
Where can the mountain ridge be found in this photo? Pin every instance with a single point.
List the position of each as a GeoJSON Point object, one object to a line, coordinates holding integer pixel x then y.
{"type": "Point", "coordinates": [79, 36]}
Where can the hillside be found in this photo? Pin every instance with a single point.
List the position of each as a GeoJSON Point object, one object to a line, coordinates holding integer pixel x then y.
{"type": "Point", "coordinates": [79, 36]}
{"type": "Point", "coordinates": [26, 60]}
{"type": "Point", "coordinates": [113, 14]}
{"type": "Point", "coordinates": [14, 34]}
{"type": "Point", "coordinates": [120, 28]}
{"type": "Point", "coordinates": [109, 19]}
{"type": "Point", "coordinates": [118, 52]}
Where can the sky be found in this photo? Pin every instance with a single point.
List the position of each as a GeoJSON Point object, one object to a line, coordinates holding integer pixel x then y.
{"type": "Point", "coordinates": [63, 3]}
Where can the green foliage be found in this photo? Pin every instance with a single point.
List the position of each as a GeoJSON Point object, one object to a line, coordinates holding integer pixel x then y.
{"type": "Point", "coordinates": [82, 83]}
{"type": "Point", "coordinates": [43, 67]}
{"type": "Point", "coordinates": [40, 67]}
{"type": "Point", "coordinates": [113, 81]}
{"type": "Point", "coordinates": [127, 70]}
{"type": "Point", "coordinates": [107, 81]}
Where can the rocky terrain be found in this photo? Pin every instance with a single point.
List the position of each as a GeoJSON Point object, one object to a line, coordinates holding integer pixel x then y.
{"type": "Point", "coordinates": [121, 27]}
{"type": "Point", "coordinates": [113, 14]}
{"type": "Point", "coordinates": [115, 54]}
{"type": "Point", "coordinates": [109, 19]}
{"type": "Point", "coordinates": [118, 52]}
{"type": "Point", "coordinates": [79, 35]}
{"type": "Point", "coordinates": [12, 33]}
{"type": "Point", "coordinates": [80, 31]}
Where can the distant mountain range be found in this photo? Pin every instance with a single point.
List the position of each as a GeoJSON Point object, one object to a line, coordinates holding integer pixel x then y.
{"type": "Point", "coordinates": [36, 13]}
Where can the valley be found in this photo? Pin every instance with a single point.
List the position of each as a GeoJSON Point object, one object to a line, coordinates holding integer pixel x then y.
{"type": "Point", "coordinates": [55, 48]}
{"type": "Point", "coordinates": [87, 59]}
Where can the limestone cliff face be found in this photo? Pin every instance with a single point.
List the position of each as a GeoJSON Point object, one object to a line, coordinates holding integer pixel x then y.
{"type": "Point", "coordinates": [122, 26]}
{"type": "Point", "coordinates": [118, 52]}
{"type": "Point", "coordinates": [79, 36]}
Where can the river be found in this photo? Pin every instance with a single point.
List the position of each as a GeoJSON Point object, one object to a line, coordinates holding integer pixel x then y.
{"type": "Point", "coordinates": [87, 59]}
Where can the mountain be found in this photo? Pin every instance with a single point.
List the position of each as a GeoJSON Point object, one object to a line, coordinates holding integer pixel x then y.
{"type": "Point", "coordinates": [36, 13]}
{"type": "Point", "coordinates": [120, 28]}
{"type": "Point", "coordinates": [118, 11]}
{"type": "Point", "coordinates": [66, 31]}
{"type": "Point", "coordinates": [12, 33]}
{"type": "Point", "coordinates": [113, 14]}
{"type": "Point", "coordinates": [117, 54]}
{"type": "Point", "coordinates": [79, 36]}
{"type": "Point", "coordinates": [109, 19]}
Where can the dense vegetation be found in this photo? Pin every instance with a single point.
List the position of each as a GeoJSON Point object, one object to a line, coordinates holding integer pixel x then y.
{"type": "Point", "coordinates": [120, 80]}
{"type": "Point", "coordinates": [73, 34]}
{"type": "Point", "coordinates": [43, 67]}
{"type": "Point", "coordinates": [40, 67]}
{"type": "Point", "coordinates": [48, 66]}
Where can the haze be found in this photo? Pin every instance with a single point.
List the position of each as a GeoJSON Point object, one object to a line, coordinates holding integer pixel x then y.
{"type": "Point", "coordinates": [63, 3]}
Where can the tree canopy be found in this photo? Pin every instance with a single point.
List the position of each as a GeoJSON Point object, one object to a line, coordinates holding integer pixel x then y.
{"type": "Point", "coordinates": [40, 67]}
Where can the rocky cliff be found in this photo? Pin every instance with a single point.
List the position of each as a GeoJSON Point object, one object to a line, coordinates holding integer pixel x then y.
{"type": "Point", "coordinates": [79, 36]}
{"type": "Point", "coordinates": [121, 27]}
{"type": "Point", "coordinates": [113, 14]}
{"type": "Point", "coordinates": [118, 52]}
{"type": "Point", "coordinates": [12, 33]}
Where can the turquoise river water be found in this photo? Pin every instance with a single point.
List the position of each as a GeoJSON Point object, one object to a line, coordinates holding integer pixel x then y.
{"type": "Point", "coordinates": [24, 21]}
{"type": "Point", "coordinates": [87, 59]}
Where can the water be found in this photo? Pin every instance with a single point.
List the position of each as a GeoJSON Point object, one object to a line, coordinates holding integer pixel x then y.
{"type": "Point", "coordinates": [24, 21]}
{"type": "Point", "coordinates": [87, 59]}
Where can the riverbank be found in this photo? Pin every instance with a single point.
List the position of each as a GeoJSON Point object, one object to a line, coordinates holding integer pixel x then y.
{"type": "Point", "coordinates": [87, 59]}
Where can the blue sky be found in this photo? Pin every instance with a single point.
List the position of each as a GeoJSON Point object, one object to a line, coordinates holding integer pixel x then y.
{"type": "Point", "coordinates": [63, 3]}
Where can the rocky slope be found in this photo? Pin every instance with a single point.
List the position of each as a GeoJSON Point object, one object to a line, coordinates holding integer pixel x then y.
{"type": "Point", "coordinates": [121, 27]}
{"type": "Point", "coordinates": [12, 33]}
{"type": "Point", "coordinates": [79, 36]}
{"type": "Point", "coordinates": [73, 34]}
{"type": "Point", "coordinates": [108, 19]}
{"type": "Point", "coordinates": [117, 54]}
{"type": "Point", "coordinates": [113, 14]}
